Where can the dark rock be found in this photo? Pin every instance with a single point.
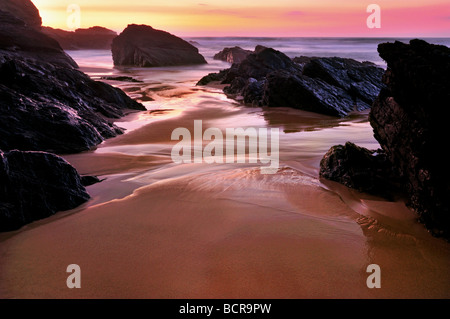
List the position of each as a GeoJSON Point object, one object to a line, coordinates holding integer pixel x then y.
{"type": "Point", "coordinates": [121, 79]}
{"type": "Point", "coordinates": [332, 86]}
{"type": "Point", "coordinates": [24, 10]}
{"type": "Point", "coordinates": [309, 94]}
{"type": "Point", "coordinates": [409, 119]}
{"type": "Point", "coordinates": [264, 61]}
{"type": "Point", "coordinates": [253, 91]}
{"type": "Point", "coordinates": [359, 168]}
{"type": "Point", "coordinates": [213, 77]}
{"type": "Point", "coordinates": [232, 55]}
{"type": "Point", "coordinates": [89, 180]}
{"type": "Point", "coordinates": [35, 185]}
{"type": "Point", "coordinates": [44, 107]}
{"type": "Point", "coordinates": [302, 60]}
{"type": "Point", "coordinates": [361, 80]}
{"type": "Point", "coordinates": [45, 103]}
{"type": "Point", "coordinates": [143, 46]}
{"type": "Point", "coordinates": [17, 37]}
{"type": "Point", "coordinates": [94, 38]}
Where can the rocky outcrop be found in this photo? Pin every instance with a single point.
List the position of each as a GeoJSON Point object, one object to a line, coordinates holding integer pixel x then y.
{"type": "Point", "coordinates": [35, 185]}
{"type": "Point", "coordinates": [94, 38]}
{"type": "Point", "coordinates": [45, 103]}
{"type": "Point", "coordinates": [143, 46]}
{"type": "Point", "coordinates": [361, 169]}
{"type": "Point", "coordinates": [232, 55]}
{"type": "Point", "coordinates": [20, 41]}
{"type": "Point", "coordinates": [24, 10]}
{"type": "Point", "coordinates": [409, 120]}
{"type": "Point", "coordinates": [333, 86]}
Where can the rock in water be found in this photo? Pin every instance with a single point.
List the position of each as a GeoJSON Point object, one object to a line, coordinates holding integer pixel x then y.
{"type": "Point", "coordinates": [410, 118]}
{"type": "Point", "coordinates": [46, 104]}
{"type": "Point", "coordinates": [35, 185]}
{"type": "Point", "coordinates": [359, 168]}
{"type": "Point", "coordinates": [232, 55]}
{"type": "Point", "coordinates": [143, 46]}
{"type": "Point", "coordinates": [333, 86]}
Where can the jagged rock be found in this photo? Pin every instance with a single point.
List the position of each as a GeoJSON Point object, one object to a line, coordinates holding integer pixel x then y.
{"type": "Point", "coordinates": [89, 180]}
{"type": "Point", "coordinates": [232, 55]}
{"type": "Point", "coordinates": [18, 38]}
{"type": "Point", "coordinates": [35, 185]}
{"type": "Point", "coordinates": [143, 46]}
{"type": "Point", "coordinates": [45, 103]}
{"type": "Point", "coordinates": [361, 80]}
{"type": "Point", "coordinates": [333, 86]}
{"type": "Point", "coordinates": [409, 119]}
{"type": "Point", "coordinates": [359, 168]}
{"type": "Point", "coordinates": [24, 10]}
{"type": "Point", "coordinates": [94, 38]}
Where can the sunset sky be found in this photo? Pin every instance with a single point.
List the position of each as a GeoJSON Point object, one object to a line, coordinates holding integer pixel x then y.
{"type": "Point", "coordinates": [399, 18]}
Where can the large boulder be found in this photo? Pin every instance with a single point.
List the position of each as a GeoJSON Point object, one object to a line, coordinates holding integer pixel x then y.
{"type": "Point", "coordinates": [35, 185]}
{"type": "Point", "coordinates": [409, 120]}
{"type": "Point", "coordinates": [94, 38]}
{"type": "Point", "coordinates": [361, 169]}
{"type": "Point", "coordinates": [46, 104]}
{"type": "Point", "coordinates": [232, 55]}
{"type": "Point", "coordinates": [19, 40]}
{"type": "Point", "coordinates": [143, 46]}
{"type": "Point", "coordinates": [24, 10]}
{"type": "Point", "coordinates": [333, 86]}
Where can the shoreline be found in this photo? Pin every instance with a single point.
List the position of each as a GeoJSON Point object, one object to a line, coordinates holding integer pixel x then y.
{"type": "Point", "coordinates": [154, 229]}
{"type": "Point", "coordinates": [236, 233]}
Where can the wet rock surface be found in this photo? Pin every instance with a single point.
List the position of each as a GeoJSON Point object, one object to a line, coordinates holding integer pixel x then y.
{"type": "Point", "coordinates": [333, 86]}
{"type": "Point", "coordinates": [35, 185]}
{"type": "Point", "coordinates": [409, 121]}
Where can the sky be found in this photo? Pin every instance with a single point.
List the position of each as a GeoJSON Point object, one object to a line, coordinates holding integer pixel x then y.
{"type": "Point", "coordinates": [279, 18]}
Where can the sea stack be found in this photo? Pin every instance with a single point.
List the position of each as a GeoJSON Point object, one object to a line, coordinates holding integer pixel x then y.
{"type": "Point", "coordinates": [143, 46]}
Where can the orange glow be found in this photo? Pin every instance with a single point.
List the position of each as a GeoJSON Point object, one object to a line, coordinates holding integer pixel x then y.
{"type": "Point", "coordinates": [257, 18]}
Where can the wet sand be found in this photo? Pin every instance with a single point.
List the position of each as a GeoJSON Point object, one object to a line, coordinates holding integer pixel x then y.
{"type": "Point", "coordinates": [154, 229]}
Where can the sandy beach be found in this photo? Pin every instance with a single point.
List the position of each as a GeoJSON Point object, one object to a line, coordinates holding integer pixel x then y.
{"type": "Point", "coordinates": [155, 229]}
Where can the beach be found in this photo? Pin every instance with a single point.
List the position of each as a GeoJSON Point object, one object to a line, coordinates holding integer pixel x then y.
{"type": "Point", "coordinates": [156, 229]}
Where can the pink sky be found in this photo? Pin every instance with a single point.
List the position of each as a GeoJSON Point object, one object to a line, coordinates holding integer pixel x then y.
{"type": "Point", "coordinates": [399, 18]}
